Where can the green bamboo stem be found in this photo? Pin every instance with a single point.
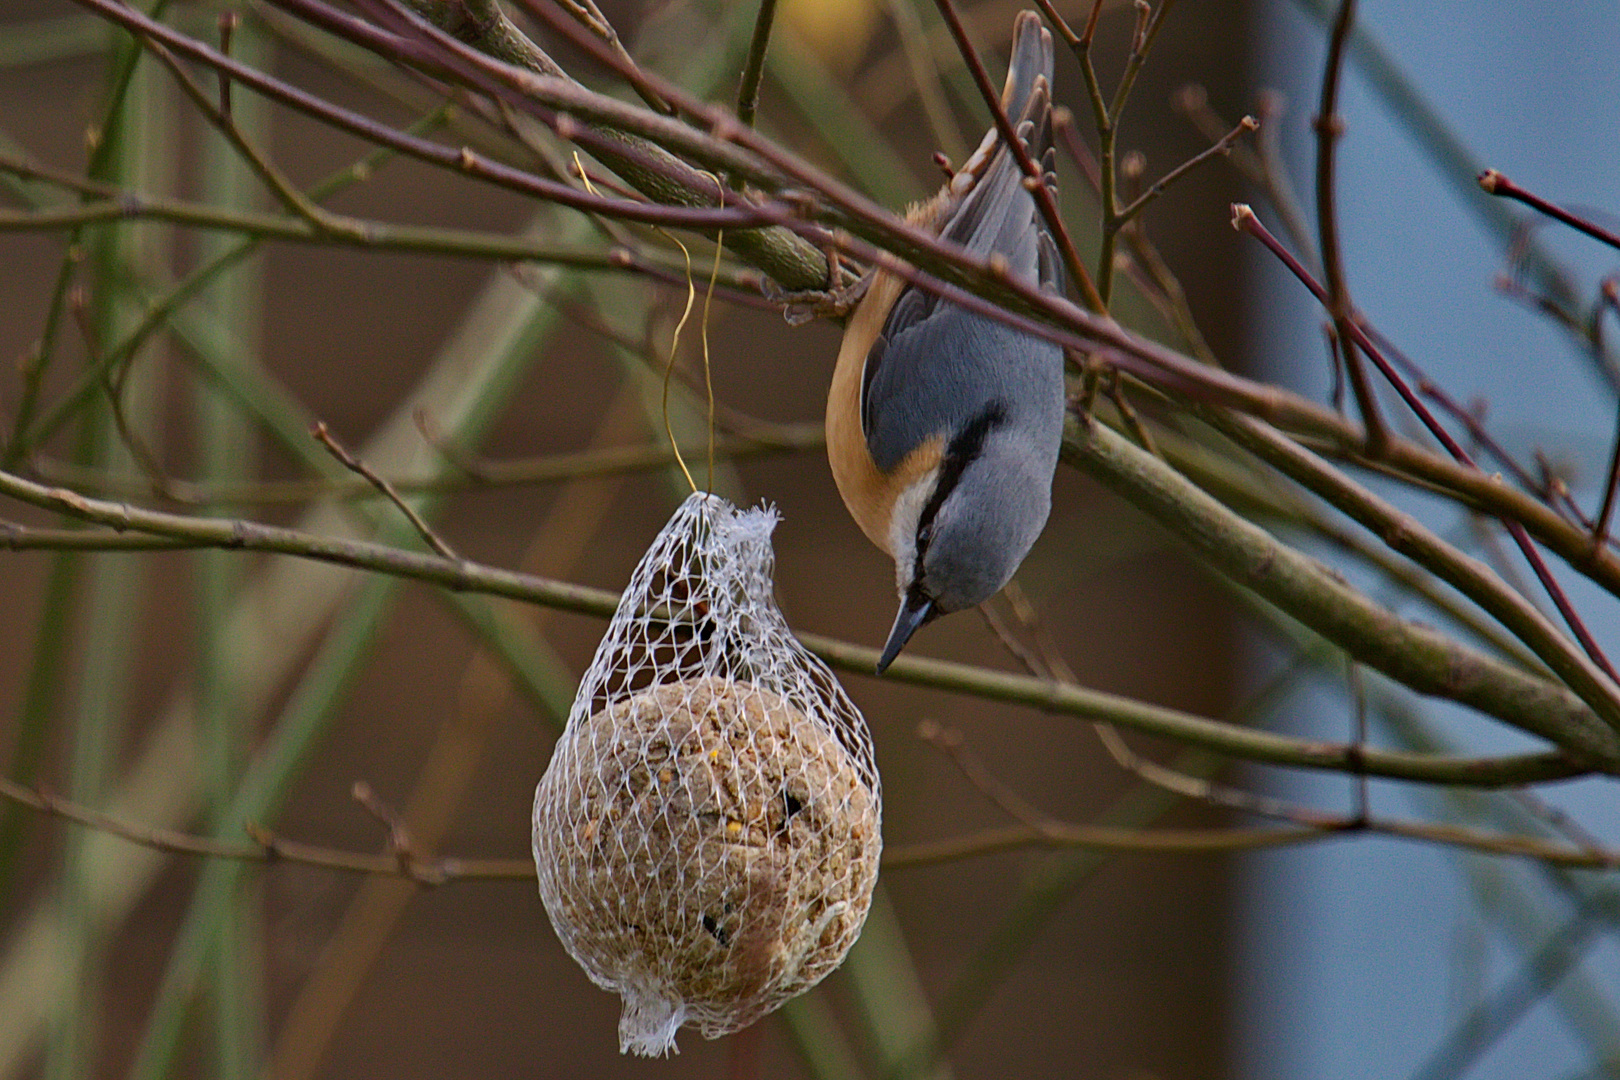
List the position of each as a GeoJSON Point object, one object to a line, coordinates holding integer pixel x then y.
{"type": "Point", "coordinates": [817, 1035]}
{"type": "Point", "coordinates": [26, 435]}
{"type": "Point", "coordinates": [122, 60]}
{"type": "Point", "coordinates": [296, 733]}
{"type": "Point", "coordinates": [140, 150]}
{"type": "Point", "coordinates": [235, 999]}
{"type": "Point", "coordinates": [883, 979]}
{"type": "Point", "coordinates": [276, 616]}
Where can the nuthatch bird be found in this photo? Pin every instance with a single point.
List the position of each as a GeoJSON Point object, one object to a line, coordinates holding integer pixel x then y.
{"type": "Point", "coordinates": [943, 426]}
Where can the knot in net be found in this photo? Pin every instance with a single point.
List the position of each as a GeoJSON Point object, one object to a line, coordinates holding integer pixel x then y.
{"type": "Point", "coordinates": [707, 834]}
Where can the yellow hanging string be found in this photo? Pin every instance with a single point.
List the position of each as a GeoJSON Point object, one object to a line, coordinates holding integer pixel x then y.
{"type": "Point", "coordinates": [674, 351]}
{"type": "Point", "coordinates": [708, 377]}
{"type": "Point", "coordinates": [675, 338]}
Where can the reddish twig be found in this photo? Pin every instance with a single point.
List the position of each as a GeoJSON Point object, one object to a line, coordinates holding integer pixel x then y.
{"type": "Point", "coordinates": [1609, 292]}
{"type": "Point", "coordinates": [1494, 183]}
{"type": "Point", "coordinates": [1329, 126]}
{"type": "Point", "coordinates": [1471, 423]}
{"type": "Point", "coordinates": [1243, 219]}
{"type": "Point", "coordinates": [1219, 148]}
{"type": "Point", "coordinates": [462, 159]}
{"type": "Point", "coordinates": [1035, 180]}
{"type": "Point", "coordinates": [399, 837]}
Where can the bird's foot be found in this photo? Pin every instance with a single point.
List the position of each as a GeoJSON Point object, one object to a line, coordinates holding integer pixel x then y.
{"type": "Point", "coordinates": [801, 306]}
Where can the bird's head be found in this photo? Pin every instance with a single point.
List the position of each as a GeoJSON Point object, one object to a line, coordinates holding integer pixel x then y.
{"type": "Point", "coordinates": [961, 532]}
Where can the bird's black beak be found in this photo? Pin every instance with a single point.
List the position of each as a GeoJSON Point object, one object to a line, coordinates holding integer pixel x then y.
{"type": "Point", "coordinates": [915, 610]}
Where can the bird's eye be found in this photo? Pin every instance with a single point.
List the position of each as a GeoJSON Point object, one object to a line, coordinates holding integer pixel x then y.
{"type": "Point", "coordinates": [925, 534]}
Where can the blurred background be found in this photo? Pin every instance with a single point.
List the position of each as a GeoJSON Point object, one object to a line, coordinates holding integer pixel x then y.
{"type": "Point", "coordinates": [195, 691]}
{"type": "Point", "coordinates": [1385, 958]}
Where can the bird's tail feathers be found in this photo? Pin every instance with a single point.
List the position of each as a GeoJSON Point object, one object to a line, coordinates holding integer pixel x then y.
{"type": "Point", "coordinates": [1031, 58]}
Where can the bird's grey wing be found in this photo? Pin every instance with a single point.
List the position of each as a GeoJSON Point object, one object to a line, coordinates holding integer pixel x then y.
{"type": "Point", "coordinates": [936, 367]}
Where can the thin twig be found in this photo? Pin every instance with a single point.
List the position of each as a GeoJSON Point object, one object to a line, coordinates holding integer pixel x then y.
{"type": "Point", "coordinates": [1370, 631]}
{"type": "Point", "coordinates": [1113, 386]}
{"type": "Point", "coordinates": [267, 847]}
{"type": "Point", "coordinates": [1093, 837]}
{"type": "Point", "coordinates": [1106, 115]}
{"type": "Point", "coordinates": [754, 67]}
{"type": "Point", "coordinates": [1215, 841]}
{"type": "Point", "coordinates": [1404, 534]}
{"type": "Point", "coordinates": [1047, 663]}
{"type": "Point", "coordinates": [324, 221]}
{"type": "Point", "coordinates": [1243, 219]}
{"type": "Point", "coordinates": [1038, 829]}
{"type": "Point", "coordinates": [1471, 423]}
{"type": "Point", "coordinates": [474, 472]}
{"type": "Point", "coordinates": [949, 741]}
{"type": "Point", "coordinates": [1034, 175]}
{"type": "Point", "coordinates": [1220, 148]}
{"type": "Point", "coordinates": [1262, 166]}
{"type": "Point", "coordinates": [1554, 706]}
{"type": "Point", "coordinates": [1329, 126]}
{"type": "Point", "coordinates": [1148, 268]}
{"type": "Point", "coordinates": [1149, 23]}
{"type": "Point", "coordinates": [1107, 173]}
{"type": "Point", "coordinates": [1059, 25]}
{"type": "Point", "coordinates": [38, 359]}
{"type": "Point", "coordinates": [324, 436]}
{"type": "Point", "coordinates": [1494, 183]}
{"type": "Point", "coordinates": [139, 452]}
{"type": "Point", "coordinates": [228, 23]}
{"type": "Point", "coordinates": [1164, 367]}
{"type": "Point", "coordinates": [590, 16]}
{"type": "Point", "coordinates": [1149, 360]}
{"type": "Point", "coordinates": [462, 159]}
{"type": "Point", "coordinates": [399, 837]}
{"type": "Point", "coordinates": [1600, 529]}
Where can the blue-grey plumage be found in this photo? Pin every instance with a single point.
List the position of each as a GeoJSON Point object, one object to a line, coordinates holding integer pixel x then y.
{"type": "Point", "coordinates": [943, 426]}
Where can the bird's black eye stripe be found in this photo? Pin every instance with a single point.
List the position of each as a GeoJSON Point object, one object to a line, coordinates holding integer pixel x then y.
{"type": "Point", "coordinates": [959, 454]}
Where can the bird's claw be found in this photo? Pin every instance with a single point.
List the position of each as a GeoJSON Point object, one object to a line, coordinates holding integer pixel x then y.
{"type": "Point", "coordinates": [803, 305]}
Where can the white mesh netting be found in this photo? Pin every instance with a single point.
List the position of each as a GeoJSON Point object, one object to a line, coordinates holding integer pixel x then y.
{"type": "Point", "coordinates": [707, 834]}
